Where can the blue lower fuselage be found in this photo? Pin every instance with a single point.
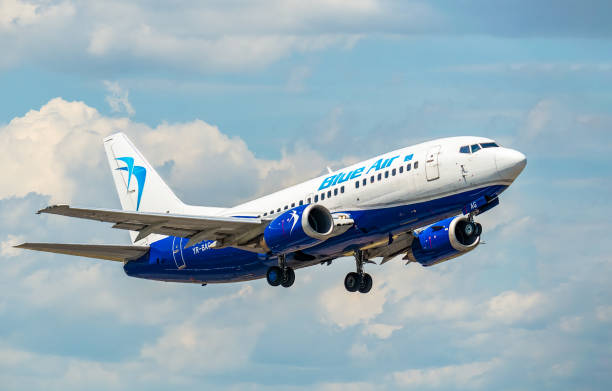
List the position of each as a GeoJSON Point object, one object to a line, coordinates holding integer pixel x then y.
{"type": "Point", "coordinates": [167, 260]}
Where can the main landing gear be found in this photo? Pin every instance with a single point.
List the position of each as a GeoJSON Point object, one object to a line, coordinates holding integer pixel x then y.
{"type": "Point", "coordinates": [472, 227]}
{"type": "Point", "coordinates": [359, 281]}
{"type": "Point", "coordinates": [281, 274]}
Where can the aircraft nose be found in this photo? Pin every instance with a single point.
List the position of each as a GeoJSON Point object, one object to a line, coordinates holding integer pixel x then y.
{"type": "Point", "coordinates": [510, 163]}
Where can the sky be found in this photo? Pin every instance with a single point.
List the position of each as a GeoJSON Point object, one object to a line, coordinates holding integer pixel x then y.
{"type": "Point", "coordinates": [234, 99]}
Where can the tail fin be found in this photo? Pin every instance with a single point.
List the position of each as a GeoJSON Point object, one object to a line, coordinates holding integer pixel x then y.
{"type": "Point", "coordinates": [139, 186]}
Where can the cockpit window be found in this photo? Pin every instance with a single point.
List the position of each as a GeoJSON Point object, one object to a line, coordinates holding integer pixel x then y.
{"type": "Point", "coordinates": [475, 147]}
{"type": "Point", "coordinates": [489, 145]}
{"type": "Point", "coordinates": [465, 149]}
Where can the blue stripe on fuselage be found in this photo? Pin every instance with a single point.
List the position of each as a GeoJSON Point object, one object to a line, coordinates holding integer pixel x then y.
{"type": "Point", "coordinates": [231, 264]}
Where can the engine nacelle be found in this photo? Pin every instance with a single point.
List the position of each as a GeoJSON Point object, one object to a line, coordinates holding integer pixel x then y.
{"type": "Point", "coordinates": [298, 229]}
{"type": "Point", "coordinates": [444, 240]}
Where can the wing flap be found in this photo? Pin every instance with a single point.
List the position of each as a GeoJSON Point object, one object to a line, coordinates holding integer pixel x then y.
{"type": "Point", "coordinates": [98, 251]}
{"type": "Point", "coordinates": [399, 245]}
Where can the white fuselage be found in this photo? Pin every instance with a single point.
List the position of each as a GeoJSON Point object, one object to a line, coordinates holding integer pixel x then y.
{"type": "Point", "coordinates": [437, 169]}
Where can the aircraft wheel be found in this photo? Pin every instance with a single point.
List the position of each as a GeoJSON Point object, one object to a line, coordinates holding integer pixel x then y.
{"type": "Point", "coordinates": [478, 229]}
{"type": "Point", "coordinates": [274, 276]}
{"type": "Point", "coordinates": [289, 278]}
{"type": "Point", "coordinates": [351, 282]}
{"type": "Point", "coordinates": [366, 283]}
{"type": "Point", "coordinates": [469, 229]}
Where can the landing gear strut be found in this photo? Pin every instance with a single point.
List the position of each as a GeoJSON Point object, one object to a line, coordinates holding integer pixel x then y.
{"type": "Point", "coordinates": [358, 281]}
{"type": "Point", "coordinates": [281, 274]}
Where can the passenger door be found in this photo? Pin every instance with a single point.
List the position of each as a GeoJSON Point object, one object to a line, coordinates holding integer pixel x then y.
{"type": "Point", "coordinates": [432, 169]}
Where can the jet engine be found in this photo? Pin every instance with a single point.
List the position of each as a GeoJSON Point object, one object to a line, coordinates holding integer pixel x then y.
{"type": "Point", "coordinates": [444, 240]}
{"type": "Point", "coordinates": [298, 229]}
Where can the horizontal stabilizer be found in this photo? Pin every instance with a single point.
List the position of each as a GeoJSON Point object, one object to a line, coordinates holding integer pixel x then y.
{"type": "Point", "coordinates": [110, 253]}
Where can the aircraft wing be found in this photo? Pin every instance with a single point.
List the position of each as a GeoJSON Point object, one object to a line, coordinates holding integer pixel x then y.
{"type": "Point", "coordinates": [226, 231]}
{"type": "Point", "coordinates": [111, 253]}
{"type": "Point", "coordinates": [388, 251]}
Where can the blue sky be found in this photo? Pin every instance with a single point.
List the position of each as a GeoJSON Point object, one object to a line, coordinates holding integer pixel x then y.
{"type": "Point", "coordinates": [269, 93]}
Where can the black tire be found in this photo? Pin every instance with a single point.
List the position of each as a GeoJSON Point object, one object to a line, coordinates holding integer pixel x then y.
{"type": "Point", "coordinates": [366, 283]}
{"type": "Point", "coordinates": [478, 229]}
{"type": "Point", "coordinates": [289, 278]}
{"type": "Point", "coordinates": [351, 282]}
{"type": "Point", "coordinates": [469, 229]}
{"type": "Point", "coordinates": [274, 276]}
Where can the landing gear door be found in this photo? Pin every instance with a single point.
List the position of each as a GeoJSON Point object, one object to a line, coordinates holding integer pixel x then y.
{"type": "Point", "coordinates": [432, 168]}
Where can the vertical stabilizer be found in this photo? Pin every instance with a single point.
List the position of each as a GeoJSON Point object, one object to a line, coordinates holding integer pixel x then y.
{"type": "Point", "coordinates": [139, 186]}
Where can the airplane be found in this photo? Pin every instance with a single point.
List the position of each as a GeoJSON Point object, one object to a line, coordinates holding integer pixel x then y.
{"type": "Point", "coordinates": [419, 202]}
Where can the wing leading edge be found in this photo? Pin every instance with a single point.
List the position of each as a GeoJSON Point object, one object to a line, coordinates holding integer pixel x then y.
{"type": "Point", "coordinates": [226, 231]}
{"type": "Point", "coordinates": [108, 252]}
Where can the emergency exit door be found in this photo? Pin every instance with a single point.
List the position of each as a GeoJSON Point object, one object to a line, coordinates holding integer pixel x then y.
{"type": "Point", "coordinates": [432, 169]}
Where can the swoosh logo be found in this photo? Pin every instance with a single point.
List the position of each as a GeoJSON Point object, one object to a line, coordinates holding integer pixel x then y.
{"type": "Point", "coordinates": [294, 217]}
{"type": "Point", "coordinates": [139, 172]}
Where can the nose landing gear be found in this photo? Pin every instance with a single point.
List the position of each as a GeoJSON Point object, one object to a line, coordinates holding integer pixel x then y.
{"type": "Point", "coordinates": [359, 281]}
{"type": "Point", "coordinates": [281, 274]}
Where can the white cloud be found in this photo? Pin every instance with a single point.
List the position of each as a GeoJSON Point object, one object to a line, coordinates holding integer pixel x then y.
{"type": "Point", "coordinates": [16, 14]}
{"type": "Point", "coordinates": [7, 247]}
{"type": "Point", "coordinates": [510, 306]}
{"type": "Point", "coordinates": [353, 386]}
{"type": "Point", "coordinates": [380, 330]}
{"type": "Point", "coordinates": [57, 151]}
{"type": "Point", "coordinates": [472, 375]}
{"type": "Point", "coordinates": [359, 350]}
{"type": "Point", "coordinates": [437, 307]}
{"type": "Point", "coordinates": [194, 348]}
{"type": "Point", "coordinates": [118, 99]}
{"type": "Point", "coordinates": [571, 324]}
{"type": "Point", "coordinates": [539, 118]}
{"type": "Point", "coordinates": [346, 309]}
{"type": "Point", "coordinates": [604, 313]}
{"type": "Point", "coordinates": [297, 79]}
{"type": "Point", "coordinates": [533, 68]}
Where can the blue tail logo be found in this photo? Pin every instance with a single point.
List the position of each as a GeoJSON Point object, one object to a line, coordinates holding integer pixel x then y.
{"type": "Point", "coordinates": [137, 171]}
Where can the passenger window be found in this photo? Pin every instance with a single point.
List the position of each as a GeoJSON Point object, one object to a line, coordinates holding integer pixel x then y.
{"type": "Point", "coordinates": [336, 191]}
{"type": "Point", "coordinates": [322, 196]}
{"type": "Point", "coordinates": [489, 145]}
{"type": "Point", "coordinates": [475, 148]}
{"type": "Point", "coordinates": [465, 149]}
{"type": "Point", "coordinates": [357, 185]}
{"type": "Point", "coordinates": [372, 179]}
{"type": "Point", "coordinates": [278, 210]}
{"type": "Point", "coordinates": [265, 214]}
{"type": "Point", "coordinates": [393, 172]}
{"type": "Point", "coordinates": [416, 165]}
{"type": "Point", "coordinates": [408, 167]}
{"type": "Point", "coordinates": [293, 205]}
{"type": "Point", "coordinates": [309, 200]}
{"type": "Point", "coordinates": [271, 212]}
{"type": "Point", "coordinates": [317, 198]}
{"type": "Point", "coordinates": [386, 174]}
{"type": "Point", "coordinates": [342, 189]}
{"type": "Point", "coordinates": [286, 207]}
{"type": "Point", "coordinates": [301, 202]}
{"type": "Point", "coordinates": [379, 177]}
{"type": "Point", "coordinates": [401, 169]}
{"type": "Point", "coordinates": [364, 182]}
{"type": "Point", "coordinates": [329, 194]}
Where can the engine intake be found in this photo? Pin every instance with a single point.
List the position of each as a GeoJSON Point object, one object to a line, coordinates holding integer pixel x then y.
{"type": "Point", "coordinates": [298, 229]}
{"type": "Point", "coordinates": [444, 240]}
